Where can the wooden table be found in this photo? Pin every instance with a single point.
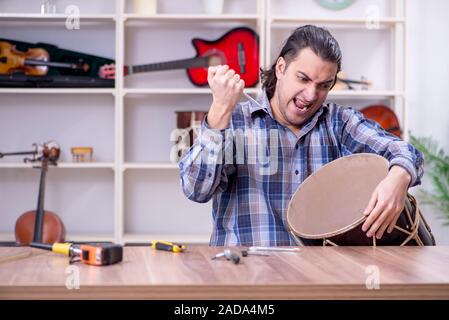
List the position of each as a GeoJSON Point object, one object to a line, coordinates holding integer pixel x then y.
{"type": "Point", "coordinates": [314, 272]}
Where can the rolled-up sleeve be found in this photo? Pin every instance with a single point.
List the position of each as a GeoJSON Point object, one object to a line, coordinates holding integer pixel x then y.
{"type": "Point", "coordinates": [203, 168]}
{"type": "Point", "coordinates": [359, 134]}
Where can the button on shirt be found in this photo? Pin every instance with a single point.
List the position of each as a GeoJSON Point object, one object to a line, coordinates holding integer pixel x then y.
{"type": "Point", "coordinates": [252, 169]}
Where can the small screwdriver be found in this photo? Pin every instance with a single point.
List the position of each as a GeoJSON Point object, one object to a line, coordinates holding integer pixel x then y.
{"type": "Point", "coordinates": [279, 249]}
{"type": "Point", "coordinates": [168, 246]}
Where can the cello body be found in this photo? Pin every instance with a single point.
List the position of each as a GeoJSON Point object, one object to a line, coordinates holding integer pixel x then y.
{"type": "Point", "coordinates": [40, 225]}
{"type": "Point", "coordinates": [53, 229]}
{"type": "Point", "coordinates": [385, 117]}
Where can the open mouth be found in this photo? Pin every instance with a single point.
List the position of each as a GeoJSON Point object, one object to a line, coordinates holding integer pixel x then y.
{"type": "Point", "coordinates": [301, 105]}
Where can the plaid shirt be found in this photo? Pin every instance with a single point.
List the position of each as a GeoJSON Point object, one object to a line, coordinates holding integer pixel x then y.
{"type": "Point", "coordinates": [252, 169]}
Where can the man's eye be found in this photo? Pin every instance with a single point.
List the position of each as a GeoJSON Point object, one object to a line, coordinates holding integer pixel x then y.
{"type": "Point", "coordinates": [325, 86]}
{"type": "Point", "coordinates": [303, 79]}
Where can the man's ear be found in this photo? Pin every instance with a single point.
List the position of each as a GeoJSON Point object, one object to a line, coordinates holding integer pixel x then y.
{"type": "Point", "coordinates": [280, 67]}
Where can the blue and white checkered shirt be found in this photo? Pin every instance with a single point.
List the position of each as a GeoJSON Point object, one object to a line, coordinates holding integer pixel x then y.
{"type": "Point", "coordinates": [252, 169]}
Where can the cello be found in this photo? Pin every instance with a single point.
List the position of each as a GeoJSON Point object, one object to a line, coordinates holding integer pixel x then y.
{"type": "Point", "coordinates": [40, 225]}
{"type": "Point", "coordinates": [385, 117]}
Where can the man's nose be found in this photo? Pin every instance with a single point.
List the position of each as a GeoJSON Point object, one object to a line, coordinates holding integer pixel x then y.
{"type": "Point", "coordinates": [310, 93]}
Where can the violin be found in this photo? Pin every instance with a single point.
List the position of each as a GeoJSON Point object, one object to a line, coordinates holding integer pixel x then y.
{"type": "Point", "coordinates": [33, 62]}
{"type": "Point", "coordinates": [385, 117]}
{"type": "Point", "coordinates": [343, 83]}
{"type": "Point", "coordinates": [40, 225]}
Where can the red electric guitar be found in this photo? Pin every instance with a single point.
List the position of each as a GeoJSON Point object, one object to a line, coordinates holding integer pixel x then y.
{"type": "Point", "coordinates": [238, 48]}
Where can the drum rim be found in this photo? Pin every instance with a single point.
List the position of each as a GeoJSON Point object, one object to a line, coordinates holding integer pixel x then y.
{"type": "Point", "coordinates": [341, 230]}
{"type": "Point", "coordinates": [330, 234]}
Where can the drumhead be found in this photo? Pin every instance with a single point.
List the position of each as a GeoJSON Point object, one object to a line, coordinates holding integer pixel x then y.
{"type": "Point", "coordinates": [332, 200]}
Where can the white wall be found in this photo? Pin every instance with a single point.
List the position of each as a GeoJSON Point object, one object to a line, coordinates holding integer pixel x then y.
{"type": "Point", "coordinates": [427, 83]}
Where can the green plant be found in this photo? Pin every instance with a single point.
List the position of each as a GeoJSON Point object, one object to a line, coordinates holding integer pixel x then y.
{"type": "Point", "coordinates": [437, 168]}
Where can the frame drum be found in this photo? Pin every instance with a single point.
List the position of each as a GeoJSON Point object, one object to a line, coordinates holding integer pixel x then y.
{"type": "Point", "coordinates": [328, 206]}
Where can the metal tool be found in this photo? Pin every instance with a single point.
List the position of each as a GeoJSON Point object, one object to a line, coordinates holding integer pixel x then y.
{"type": "Point", "coordinates": [229, 256]}
{"type": "Point", "coordinates": [98, 254]}
{"type": "Point", "coordinates": [246, 253]}
{"type": "Point", "coordinates": [168, 246]}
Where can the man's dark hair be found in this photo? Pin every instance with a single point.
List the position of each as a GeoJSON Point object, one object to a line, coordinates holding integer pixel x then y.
{"type": "Point", "coordinates": [318, 39]}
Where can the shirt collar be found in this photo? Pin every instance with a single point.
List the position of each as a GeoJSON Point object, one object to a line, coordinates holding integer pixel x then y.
{"type": "Point", "coordinates": [262, 103]}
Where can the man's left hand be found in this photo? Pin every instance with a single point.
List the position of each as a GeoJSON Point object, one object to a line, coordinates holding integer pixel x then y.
{"type": "Point", "coordinates": [387, 202]}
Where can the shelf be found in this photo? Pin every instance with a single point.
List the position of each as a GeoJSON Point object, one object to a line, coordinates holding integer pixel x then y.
{"type": "Point", "coordinates": [56, 91]}
{"type": "Point", "coordinates": [54, 17]}
{"type": "Point", "coordinates": [130, 91]}
{"type": "Point", "coordinates": [8, 237]}
{"type": "Point", "coordinates": [160, 165]}
{"type": "Point", "coordinates": [364, 94]}
{"type": "Point", "coordinates": [168, 91]}
{"type": "Point", "coordinates": [281, 21]}
{"type": "Point", "coordinates": [190, 17]}
{"type": "Point", "coordinates": [255, 91]}
{"type": "Point", "coordinates": [62, 165]}
{"type": "Point", "coordinates": [91, 165]}
{"type": "Point", "coordinates": [89, 237]}
{"type": "Point", "coordinates": [68, 237]}
{"type": "Point", "coordinates": [179, 238]}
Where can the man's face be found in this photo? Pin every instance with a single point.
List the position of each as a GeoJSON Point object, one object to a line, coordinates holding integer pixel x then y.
{"type": "Point", "coordinates": [301, 88]}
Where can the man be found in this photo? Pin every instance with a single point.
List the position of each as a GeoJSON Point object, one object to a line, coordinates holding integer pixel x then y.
{"type": "Point", "coordinates": [298, 134]}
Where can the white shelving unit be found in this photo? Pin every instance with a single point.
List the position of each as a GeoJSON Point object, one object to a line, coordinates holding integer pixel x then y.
{"type": "Point", "coordinates": [132, 193]}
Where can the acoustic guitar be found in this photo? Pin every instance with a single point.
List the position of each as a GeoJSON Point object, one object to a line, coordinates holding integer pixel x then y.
{"type": "Point", "coordinates": [238, 48]}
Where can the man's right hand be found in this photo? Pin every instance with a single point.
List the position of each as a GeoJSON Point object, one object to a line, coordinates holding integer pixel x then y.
{"type": "Point", "coordinates": [227, 87]}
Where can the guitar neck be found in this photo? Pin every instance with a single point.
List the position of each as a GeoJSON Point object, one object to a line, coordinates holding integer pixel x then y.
{"type": "Point", "coordinates": [199, 62]}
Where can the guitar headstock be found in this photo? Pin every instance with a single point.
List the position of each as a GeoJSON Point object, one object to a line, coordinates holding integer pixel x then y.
{"type": "Point", "coordinates": [85, 67]}
{"type": "Point", "coordinates": [107, 71]}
